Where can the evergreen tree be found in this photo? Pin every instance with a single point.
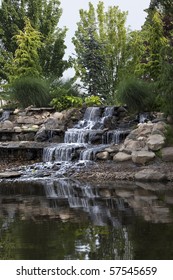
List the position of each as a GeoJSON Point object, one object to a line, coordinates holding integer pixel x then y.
{"type": "Point", "coordinates": [26, 58]}
{"type": "Point", "coordinates": [44, 17]}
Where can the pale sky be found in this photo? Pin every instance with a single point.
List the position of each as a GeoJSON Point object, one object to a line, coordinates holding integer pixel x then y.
{"type": "Point", "coordinates": [136, 17]}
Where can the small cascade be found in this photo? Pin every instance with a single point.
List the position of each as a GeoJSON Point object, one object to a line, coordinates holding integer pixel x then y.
{"type": "Point", "coordinates": [88, 137]}
{"type": "Point", "coordinates": [5, 116]}
{"type": "Point", "coordinates": [115, 136]}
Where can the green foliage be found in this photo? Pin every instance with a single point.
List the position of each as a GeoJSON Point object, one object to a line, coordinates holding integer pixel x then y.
{"type": "Point", "coordinates": [136, 94]}
{"type": "Point", "coordinates": [30, 91]}
{"type": "Point", "coordinates": [65, 94]}
{"type": "Point", "coordinates": [26, 59]}
{"type": "Point", "coordinates": [66, 102]}
{"type": "Point", "coordinates": [44, 17]}
{"type": "Point", "coordinates": [92, 100]}
{"type": "Point", "coordinates": [165, 82]}
{"type": "Point", "coordinates": [100, 45]}
{"type": "Point", "coordinates": [154, 41]}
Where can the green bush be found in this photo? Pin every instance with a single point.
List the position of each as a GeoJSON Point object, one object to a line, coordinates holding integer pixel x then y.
{"type": "Point", "coordinates": [136, 94]}
{"type": "Point", "coordinates": [65, 94]}
{"type": "Point", "coordinates": [92, 100]}
{"type": "Point", "coordinates": [30, 91]}
{"type": "Point", "coordinates": [66, 102]}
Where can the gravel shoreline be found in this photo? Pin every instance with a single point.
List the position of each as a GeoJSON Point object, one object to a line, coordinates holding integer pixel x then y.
{"type": "Point", "coordinates": [103, 170]}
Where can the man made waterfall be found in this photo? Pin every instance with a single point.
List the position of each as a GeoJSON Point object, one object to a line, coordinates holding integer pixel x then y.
{"type": "Point", "coordinates": [5, 116]}
{"type": "Point", "coordinates": [89, 136]}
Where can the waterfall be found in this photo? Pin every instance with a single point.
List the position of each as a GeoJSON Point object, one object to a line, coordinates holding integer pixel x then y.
{"type": "Point", "coordinates": [88, 137]}
{"type": "Point", "coordinates": [5, 116]}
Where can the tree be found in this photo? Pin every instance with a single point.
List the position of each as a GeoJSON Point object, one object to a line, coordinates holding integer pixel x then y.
{"type": "Point", "coordinates": [44, 17]}
{"type": "Point", "coordinates": [100, 46]}
{"type": "Point", "coordinates": [26, 58]}
{"type": "Point", "coordinates": [154, 41]}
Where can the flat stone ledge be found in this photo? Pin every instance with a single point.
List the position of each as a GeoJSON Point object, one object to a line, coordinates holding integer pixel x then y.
{"type": "Point", "coordinates": [150, 175]}
{"type": "Point", "coordinates": [9, 174]}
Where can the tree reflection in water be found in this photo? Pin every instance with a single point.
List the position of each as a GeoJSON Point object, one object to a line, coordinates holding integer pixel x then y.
{"type": "Point", "coordinates": [65, 219]}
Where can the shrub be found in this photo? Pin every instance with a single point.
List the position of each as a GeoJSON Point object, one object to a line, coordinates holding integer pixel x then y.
{"type": "Point", "coordinates": [136, 94]}
{"type": "Point", "coordinates": [92, 100]}
{"type": "Point", "coordinates": [65, 94]}
{"type": "Point", "coordinates": [30, 91]}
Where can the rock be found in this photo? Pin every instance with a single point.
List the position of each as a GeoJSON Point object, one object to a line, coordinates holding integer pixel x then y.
{"type": "Point", "coordinates": [102, 155]}
{"type": "Point", "coordinates": [160, 126]}
{"type": "Point", "coordinates": [150, 175]}
{"type": "Point", "coordinates": [16, 111]}
{"type": "Point", "coordinates": [58, 116]}
{"type": "Point", "coordinates": [10, 174]}
{"type": "Point", "coordinates": [41, 135]}
{"type": "Point", "coordinates": [167, 154]}
{"type": "Point", "coordinates": [145, 129]}
{"type": "Point", "coordinates": [121, 157]}
{"type": "Point", "coordinates": [17, 129]}
{"type": "Point", "coordinates": [7, 125]}
{"type": "Point", "coordinates": [142, 157]}
{"type": "Point", "coordinates": [133, 145]}
{"type": "Point", "coordinates": [113, 149]}
{"type": "Point", "coordinates": [35, 127]}
{"type": "Point", "coordinates": [155, 142]}
{"type": "Point", "coordinates": [51, 123]}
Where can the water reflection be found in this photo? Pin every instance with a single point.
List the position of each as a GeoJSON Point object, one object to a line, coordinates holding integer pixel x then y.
{"type": "Point", "coordinates": [66, 219]}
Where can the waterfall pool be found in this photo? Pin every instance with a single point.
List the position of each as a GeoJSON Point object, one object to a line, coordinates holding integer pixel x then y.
{"type": "Point", "coordinates": [66, 219]}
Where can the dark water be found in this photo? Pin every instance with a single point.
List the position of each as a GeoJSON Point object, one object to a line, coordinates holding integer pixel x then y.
{"type": "Point", "coordinates": [66, 219]}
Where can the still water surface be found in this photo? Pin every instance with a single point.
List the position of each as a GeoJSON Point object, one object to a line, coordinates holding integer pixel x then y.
{"type": "Point", "coordinates": [65, 219]}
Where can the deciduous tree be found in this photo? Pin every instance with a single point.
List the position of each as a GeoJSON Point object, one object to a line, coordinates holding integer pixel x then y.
{"type": "Point", "coordinates": [100, 45]}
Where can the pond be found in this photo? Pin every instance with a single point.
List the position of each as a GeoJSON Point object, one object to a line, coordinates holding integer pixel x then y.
{"type": "Point", "coordinates": [66, 219]}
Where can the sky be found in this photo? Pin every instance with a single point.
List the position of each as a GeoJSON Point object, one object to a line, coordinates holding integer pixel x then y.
{"type": "Point", "coordinates": [136, 17]}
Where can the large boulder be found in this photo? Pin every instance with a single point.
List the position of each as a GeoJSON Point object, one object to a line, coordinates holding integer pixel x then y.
{"type": "Point", "coordinates": [150, 175]}
{"type": "Point", "coordinates": [142, 157]}
{"type": "Point", "coordinates": [119, 157]}
{"type": "Point", "coordinates": [133, 145]}
{"type": "Point", "coordinates": [159, 128]}
{"type": "Point", "coordinates": [7, 125]}
{"type": "Point", "coordinates": [155, 142]}
{"type": "Point", "coordinates": [167, 154]}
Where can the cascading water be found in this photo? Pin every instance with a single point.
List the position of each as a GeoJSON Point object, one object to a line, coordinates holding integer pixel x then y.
{"type": "Point", "coordinates": [88, 137]}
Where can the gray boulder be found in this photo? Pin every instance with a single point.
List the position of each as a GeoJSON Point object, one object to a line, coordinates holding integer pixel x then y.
{"type": "Point", "coordinates": [155, 142]}
{"type": "Point", "coordinates": [142, 157]}
{"type": "Point", "coordinates": [119, 157]}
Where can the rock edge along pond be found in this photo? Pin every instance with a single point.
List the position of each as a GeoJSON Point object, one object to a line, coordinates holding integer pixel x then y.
{"type": "Point", "coordinates": [122, 147]}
